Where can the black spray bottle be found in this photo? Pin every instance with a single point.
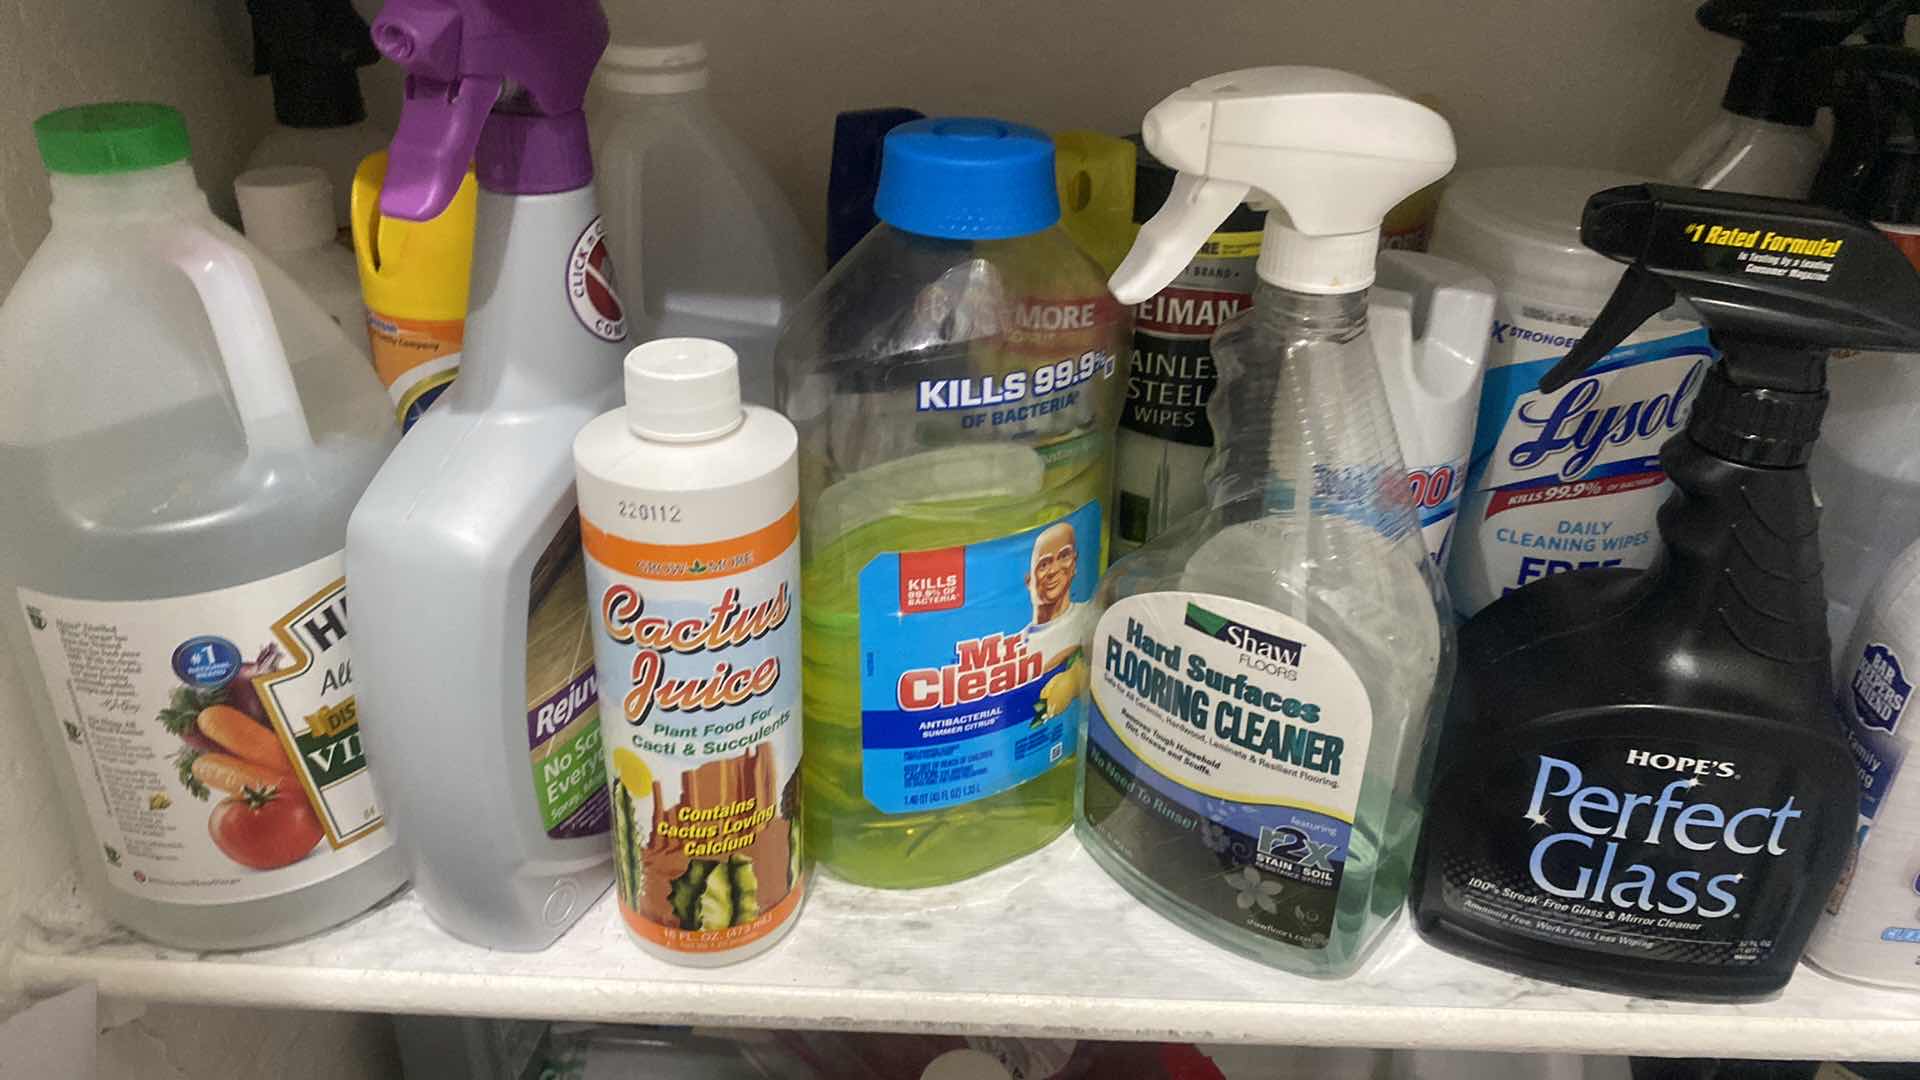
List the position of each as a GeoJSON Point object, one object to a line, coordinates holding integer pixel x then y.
{"type": "Point", "coordinates": [1641, 786]}
{"type": "Point", "coordinates": [311, 51]}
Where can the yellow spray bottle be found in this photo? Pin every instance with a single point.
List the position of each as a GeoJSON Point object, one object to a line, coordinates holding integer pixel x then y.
{"type": "Point", "coordinates": [414, 275]}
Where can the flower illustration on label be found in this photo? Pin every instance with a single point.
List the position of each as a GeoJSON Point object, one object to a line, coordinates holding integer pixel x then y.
{"type": "Point", "coordinates": [591, 287]}
{"type": "Point", "coordinates": [1214, 836]}
{"type": "Point", "coordinates": [1255, 890]}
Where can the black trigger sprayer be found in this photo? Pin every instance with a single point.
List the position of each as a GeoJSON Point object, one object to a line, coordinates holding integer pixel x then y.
{"type": "Point", "coordinates": [1642, 786]}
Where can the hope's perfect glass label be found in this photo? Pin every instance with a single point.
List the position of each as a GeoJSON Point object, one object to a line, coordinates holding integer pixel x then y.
{"type": "Point", "coordinates": [972, 663]}
{"type": "Point", "coordinates": [1657, 849]}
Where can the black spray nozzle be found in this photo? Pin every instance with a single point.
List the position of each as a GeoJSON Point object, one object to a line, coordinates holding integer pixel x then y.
{"type": "Point", "coordinates": [1777, 284]}
{"type": "Point", "coordinates": [1770, 79]}
{"type": "Point", "coordinates": [1874, 91]}
{"type": "Point", "coordinates": [312, 50]}
{"type": "Point", "coordinates": [1640, 296]}
{"type": "Point", "coordinates": [1754, 270]}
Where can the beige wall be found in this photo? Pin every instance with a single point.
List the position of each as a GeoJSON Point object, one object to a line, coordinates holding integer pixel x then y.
{"type": "Point", "coordinates": [55, 53]}
{"type": "Point", "coordinates": [1619, 83]}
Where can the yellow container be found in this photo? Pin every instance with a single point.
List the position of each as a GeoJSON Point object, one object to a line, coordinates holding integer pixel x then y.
{"type": "Point", "coordinates": [414, 275]}
{"type": "Point", "coordinates": [1095, 176]}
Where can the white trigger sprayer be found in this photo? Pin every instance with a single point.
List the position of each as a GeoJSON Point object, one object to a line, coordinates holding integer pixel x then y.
{"type": "Point", "coordinates": [1328, 154]}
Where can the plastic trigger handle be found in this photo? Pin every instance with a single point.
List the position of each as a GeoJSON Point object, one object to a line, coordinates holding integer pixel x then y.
{"type": "Point", "coordinates": [438, 133]}
{"type": "Point", "coordinates": [1194, 208]}
{"type": "Point", "coordinates": [1640, 296]}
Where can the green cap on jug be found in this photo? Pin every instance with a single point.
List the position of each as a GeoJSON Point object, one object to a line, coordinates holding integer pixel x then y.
{"type": "Point", "coordinates": [111, 137]}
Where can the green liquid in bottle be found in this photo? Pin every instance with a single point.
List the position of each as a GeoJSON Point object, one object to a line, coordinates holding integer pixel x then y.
{"type": "Point", "coordinates": [846, 832]}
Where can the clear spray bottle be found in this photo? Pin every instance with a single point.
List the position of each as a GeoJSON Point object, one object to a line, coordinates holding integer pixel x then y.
{"type": "Point", "coordinates": [1264, 673]}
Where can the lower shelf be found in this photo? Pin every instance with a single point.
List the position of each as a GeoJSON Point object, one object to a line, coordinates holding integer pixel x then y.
{"type": "Point", "coordinates": [1046, 947]}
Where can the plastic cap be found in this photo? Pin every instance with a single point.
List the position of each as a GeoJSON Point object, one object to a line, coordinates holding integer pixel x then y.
{"type": "Point", "coordinates": [683, 390]}
{"type": "Point", "coordinates": [967, 178]}
{"type": "Point", "coordinates": [113, 137]}
{"type": "Point", "coordinates": [285, 207]}
{"type": "Point", "coordinates": [1521, 227]}
{"type": "Point", "coordinates": [965, 1065]}
{"type": "Point", "coordinates": [653, 69]}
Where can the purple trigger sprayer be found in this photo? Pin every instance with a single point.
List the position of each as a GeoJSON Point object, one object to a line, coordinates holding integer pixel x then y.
{"type": "Point", "coordinates": [469, 599]}
{"type": "Point", "coordinates": [500, 84]}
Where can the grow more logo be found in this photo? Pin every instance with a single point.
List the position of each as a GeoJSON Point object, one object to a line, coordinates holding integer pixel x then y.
{"type": "Point", "coordinates": [1248, 639]}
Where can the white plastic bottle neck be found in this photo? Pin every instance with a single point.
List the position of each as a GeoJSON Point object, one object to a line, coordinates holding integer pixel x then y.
{"type": "Point", "coordinates": [1322, 265]}
{"type": "Point", "coordinates": [527, 343]}
{"type": "Point", "coordinates": [158, 192]}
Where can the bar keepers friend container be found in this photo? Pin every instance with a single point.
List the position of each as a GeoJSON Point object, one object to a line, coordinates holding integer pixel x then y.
{"type": "Point", "coordinates": [956, 381]}
{"type": "Point", "coordinates": [1264, 673]}
{"type": "Point", "coordinates": [467, 545]}
{"type": "Point", "coordinates": [690, 517]}
{"type": "Point", "coordinates": [182, 436]}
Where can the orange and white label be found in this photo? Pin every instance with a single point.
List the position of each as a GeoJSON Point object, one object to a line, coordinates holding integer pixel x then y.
{"type": "Point", "coordinates": [675, 562]}
{"type": "Point", "coordinates": [697, 647]}
{"type": "Point", "coordinates": [416, 360]}
{"type": "Point", "coordinates": [713, 941]}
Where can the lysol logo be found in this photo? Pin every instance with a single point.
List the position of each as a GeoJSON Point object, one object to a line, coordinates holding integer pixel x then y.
{"type": "Point", "coordinates": [1574, 429]}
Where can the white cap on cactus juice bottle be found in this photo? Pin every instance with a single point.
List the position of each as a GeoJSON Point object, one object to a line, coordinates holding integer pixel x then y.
{"type": "Point", "coordinates": [689, 515]}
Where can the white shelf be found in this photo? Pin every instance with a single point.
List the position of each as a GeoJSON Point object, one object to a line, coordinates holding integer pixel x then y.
{"type": "Point", "coordinates": [1046, 947]}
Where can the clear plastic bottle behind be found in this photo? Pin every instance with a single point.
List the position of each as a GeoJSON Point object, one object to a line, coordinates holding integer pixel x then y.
{"type": "Point", "coordinates": [885, 468]}
{"type": "Point", "coordinates": [287, 211]}
{"type": "Point", "coordinates": [182, 437]}
{"type": "Point", "coordinates": [705, 244]}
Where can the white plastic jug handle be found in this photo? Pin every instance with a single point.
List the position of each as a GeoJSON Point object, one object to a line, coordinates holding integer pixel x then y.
{"type": "Point", "coordinates": [271, 418]}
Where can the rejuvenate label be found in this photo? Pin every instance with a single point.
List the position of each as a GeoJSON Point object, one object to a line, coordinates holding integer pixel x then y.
{"type": "Point", "coordinates": [563, 699]}
{"type": "Point", "coordinates": [701, 645]}
{"type": "Point", "coordinates": [971, 672]}
{"type": "Point", "coordinates": [1569, 480]}
{"type": "Point", "coordinates": [1225, 753]}
{"type": "Point", "coordinates": [214, 736]}
{"type": "Point", "coordinates": [1660, 849]}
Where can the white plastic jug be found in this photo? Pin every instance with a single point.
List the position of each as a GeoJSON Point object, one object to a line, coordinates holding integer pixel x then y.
{"type": "Point", "coordinates": [704, 243]}
{"type": "Point", "coordinates": [182, 436]}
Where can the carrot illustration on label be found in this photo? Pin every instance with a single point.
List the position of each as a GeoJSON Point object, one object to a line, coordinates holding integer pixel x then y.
{"type": "Point", "coordinates": [238, 734]}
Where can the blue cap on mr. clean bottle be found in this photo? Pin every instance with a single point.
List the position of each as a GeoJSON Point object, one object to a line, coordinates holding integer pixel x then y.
{"type": "Point", "coordinates": [967, 178]}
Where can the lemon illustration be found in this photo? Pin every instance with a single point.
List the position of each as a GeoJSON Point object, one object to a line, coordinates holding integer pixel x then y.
{"type": "Point", "coordinates": [1060, 692]}
{"type": "Point", "coordinates": [634, 774]}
